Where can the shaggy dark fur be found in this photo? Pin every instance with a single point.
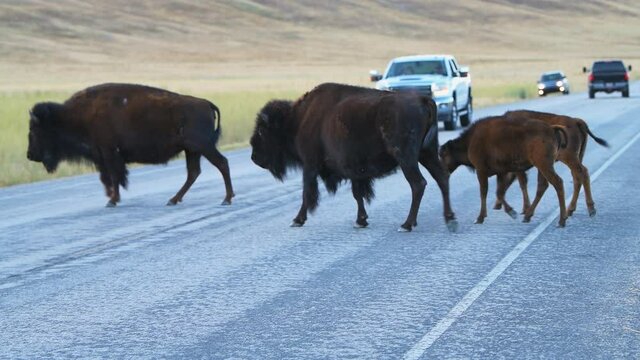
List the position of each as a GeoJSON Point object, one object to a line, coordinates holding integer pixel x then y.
{"type": "Point", "coordinates": [111, 125]}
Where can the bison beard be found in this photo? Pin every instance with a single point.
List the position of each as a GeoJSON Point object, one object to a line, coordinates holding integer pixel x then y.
{"type": "Point", "coordinates": [340, 132]}
{"type": "Point", "coordinates": [111, 125]}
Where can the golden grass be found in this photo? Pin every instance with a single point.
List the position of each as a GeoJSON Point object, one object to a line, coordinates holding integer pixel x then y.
{"type": "Point", "coordinates": [239, 54]}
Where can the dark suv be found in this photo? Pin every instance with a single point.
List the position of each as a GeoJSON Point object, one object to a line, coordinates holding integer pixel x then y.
{"type": "Point", "coordinates": [608, 76]}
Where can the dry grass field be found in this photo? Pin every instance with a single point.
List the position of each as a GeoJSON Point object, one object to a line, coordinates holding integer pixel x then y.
{"type": "Point", "coordinates": [239, 53]}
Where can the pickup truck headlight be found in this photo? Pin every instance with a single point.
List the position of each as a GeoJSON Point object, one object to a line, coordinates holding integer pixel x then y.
{"type": "Point", "coordinates": [439, 90]}
{"type": "Point", "coordinates": [559, 83]}
{"type": "Point", "coordinates": [540, 86]}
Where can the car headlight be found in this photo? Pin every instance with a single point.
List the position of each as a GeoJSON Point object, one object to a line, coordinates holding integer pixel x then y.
{"type": "Point", "coordinates": [439, 90]}
{"type": "Point", "coordinates": [540, 86]}
{"type": "Point", "coordinates": [558, 83]}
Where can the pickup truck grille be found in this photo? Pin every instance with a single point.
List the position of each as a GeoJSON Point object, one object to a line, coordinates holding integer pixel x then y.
{"type": "Point", "coordinates": [422, 90]}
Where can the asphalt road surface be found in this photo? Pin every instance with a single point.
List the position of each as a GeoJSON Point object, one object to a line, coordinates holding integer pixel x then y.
{"type": "Point", "coordinates": [201, 280]}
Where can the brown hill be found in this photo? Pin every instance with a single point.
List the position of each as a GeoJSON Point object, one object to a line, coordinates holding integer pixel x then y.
{"type": "Point", "coordinates": [282, 44]}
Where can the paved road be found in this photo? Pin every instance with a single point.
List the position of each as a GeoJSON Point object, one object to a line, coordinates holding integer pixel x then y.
{"type": "Point", "coordinates": [202, 280]}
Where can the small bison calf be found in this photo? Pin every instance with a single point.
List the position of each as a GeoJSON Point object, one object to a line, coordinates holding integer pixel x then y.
{"type": "Point", "coordinates": [499, 146]}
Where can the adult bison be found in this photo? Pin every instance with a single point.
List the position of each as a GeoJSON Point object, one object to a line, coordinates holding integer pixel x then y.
{"type": "Point", "coordinates": [341, 132]}
{"type": "Point", "coordinates": [115, 124]}
{"type": "Point", "coordinates": [578, 133]}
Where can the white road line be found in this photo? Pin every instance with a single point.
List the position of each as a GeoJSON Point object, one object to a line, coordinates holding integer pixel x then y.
{"type": "Point", "coordinates": [445, 323]}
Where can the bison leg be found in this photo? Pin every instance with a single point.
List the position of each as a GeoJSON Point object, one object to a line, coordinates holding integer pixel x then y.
{"type": "Point", "coordinates": [361, 189]}
{"type": "Point", "coordinates": [580, 176]}
{"type": "Point", "coordinates": [504, 180]}
{"type": "Point", "coordinates": [543, 184]}
{"type": "Point", "coordinates": [219, 161]}
{"type": "Point", "coordinates": [509, 178]}
{"type": "Point", "coordinates": [556, 182]}
{"type": "Point", "coordinates": [483, 180]}
{"type": "Point", "coordinates": [106, 181]}
{"type": "Point", "coordinates": [418, 183]}
{"type": "Point", "coordinates": [430, 160]}
{"type": "Point", "coordinates": [116, 171]}
{"type": "Point", "coordinates": [522, 180]}
{"type": "Point", "coordinates": [309, 196]}
{"type": "Point", "coordinates": [193, 171]}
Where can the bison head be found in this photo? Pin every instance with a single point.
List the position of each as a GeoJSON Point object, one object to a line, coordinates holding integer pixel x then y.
{"type": "Point", "coordinates": [271, 143]}
{"type": "Point", "coordinates": [42, 137]}
{"type": "Point", "coordinates": [452, 155]}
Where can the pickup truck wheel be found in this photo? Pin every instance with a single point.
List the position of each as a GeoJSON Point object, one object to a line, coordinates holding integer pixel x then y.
{"type": "Point", "coordinates": [453, 119]}
{"type": "Point", "coordinates": [466, 119]}
{"type": "Point", "coordinates": [592, 94]}
{"type": "Point", "coordinates": [625, 93]}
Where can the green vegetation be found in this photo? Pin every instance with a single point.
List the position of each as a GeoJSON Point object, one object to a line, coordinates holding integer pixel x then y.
{"type": "Point", "coordinates": [238, 110]}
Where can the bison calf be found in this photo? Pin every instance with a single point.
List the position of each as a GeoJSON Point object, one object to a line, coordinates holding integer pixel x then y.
{"type": "Point", "coordinates": [340, 132]}
{"type": "Point", "coordinates": [578, 133]}
{"type": "Point", "coordinates": [499, 146]}
{"type": "Point", "coordinates": [115, 124]}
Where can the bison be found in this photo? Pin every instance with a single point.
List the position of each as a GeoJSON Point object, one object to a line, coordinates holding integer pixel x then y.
{"type": "Point", "coordinates": [340, 132]}
{"type": "Point", "coordinates": [500, 146]}
{"type": "Point", "coordinates": [112, 125]}
{"type": "Point", "coordinates": [578, 133]}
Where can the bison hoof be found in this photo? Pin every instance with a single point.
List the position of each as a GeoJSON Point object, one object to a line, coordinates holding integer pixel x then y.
{"type": "Point", "coordinates": [404, 229]}
{"type": "Point", "coordinates": [452, 226]}
{"type": "Point", "coordinates": [562, 223]}
{"type": "Point", "coordinates": [296, 224]}
{"type": "Point", "coordinates": [526, 219]}
{"type": "Point", "coordinates": [172, 202]}
{"type": "Point", "coordinates": [513, 214]}
{"type": "Point", "coordinates": [479, 221]}
{"type": "Point", "coordinates": [361, 223]}
{"type": "Point", "coordinates": [497, 206]}
{"type": "Point", "coordinates": [592, 212]}
{"type": "Point", "coordinates": [111, 204]}
{"type": "Point", "coordinates": [226, 202]}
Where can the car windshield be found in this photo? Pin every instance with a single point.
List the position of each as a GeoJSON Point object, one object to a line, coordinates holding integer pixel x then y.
{"type": "Point", "coordinates": [551, 77]}
{"type": "Point", "coordinates": [427, 67]}
{"type": "Point", "coordinates": [608, 66]}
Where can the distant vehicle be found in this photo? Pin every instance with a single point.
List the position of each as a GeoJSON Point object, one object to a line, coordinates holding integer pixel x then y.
{"type": "Point", "coordinates": [553, 81]}
{"type": "Point", "coordinates": [608, 76]}
{"type": "Point", "coordinates": [436, 76]}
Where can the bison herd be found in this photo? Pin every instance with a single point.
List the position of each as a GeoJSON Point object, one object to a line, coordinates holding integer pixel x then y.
{"type": "Point", "coordinates": [334, 132]}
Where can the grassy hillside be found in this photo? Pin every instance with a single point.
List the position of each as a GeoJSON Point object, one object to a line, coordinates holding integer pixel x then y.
{"type": "Point", "coordinates": [239, 53]}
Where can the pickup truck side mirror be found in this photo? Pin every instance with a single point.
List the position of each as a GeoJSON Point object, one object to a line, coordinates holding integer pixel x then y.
{"type": "Point", "coordinates": [464, 71]}
{"type": "Point", "coordinates": [374, 75]}
{"type": "Point", "coordinates": [629, 67]}
{"type": "Point", "coordinates": [584, 69]}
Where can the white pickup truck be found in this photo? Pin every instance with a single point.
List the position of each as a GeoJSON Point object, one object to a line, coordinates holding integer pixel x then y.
{"type": "Point", "coordinates": [437, 76]}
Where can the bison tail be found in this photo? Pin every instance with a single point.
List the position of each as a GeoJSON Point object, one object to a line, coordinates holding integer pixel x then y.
{"type": "Point", "coordinates": [585, 129]}
{"type": "Point", "coordinates": [432, 132]}
{"type": "Point", "coordinates": [217, 118]}
{"type": "Point", "coordinates": [561, 135]}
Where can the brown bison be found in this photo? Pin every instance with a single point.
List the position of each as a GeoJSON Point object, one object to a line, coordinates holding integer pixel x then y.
{"type": "Point", "coordinates": [500, 146]}
{"type": "Point", "coordinates": [577, 136]}
{"type": "Point", "coordinates": [341, 132]}
{"type": "Point", "coordinates": [115, 124]}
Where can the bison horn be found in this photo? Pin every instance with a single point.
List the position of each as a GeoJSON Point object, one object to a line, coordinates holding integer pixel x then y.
{"type": "Point", "coordinates": [264, 118]}
{"type": "Point", "coordinates": [33, 117]}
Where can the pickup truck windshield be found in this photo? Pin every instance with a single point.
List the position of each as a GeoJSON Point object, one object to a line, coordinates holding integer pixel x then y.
{"type": "Point", "coordinates": [427, 67]}
{"type": "Point", "coordinates": [608, 66]}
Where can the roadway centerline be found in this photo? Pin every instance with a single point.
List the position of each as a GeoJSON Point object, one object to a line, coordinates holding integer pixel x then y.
{"type": "Point", "coordinates": [445, 323]}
